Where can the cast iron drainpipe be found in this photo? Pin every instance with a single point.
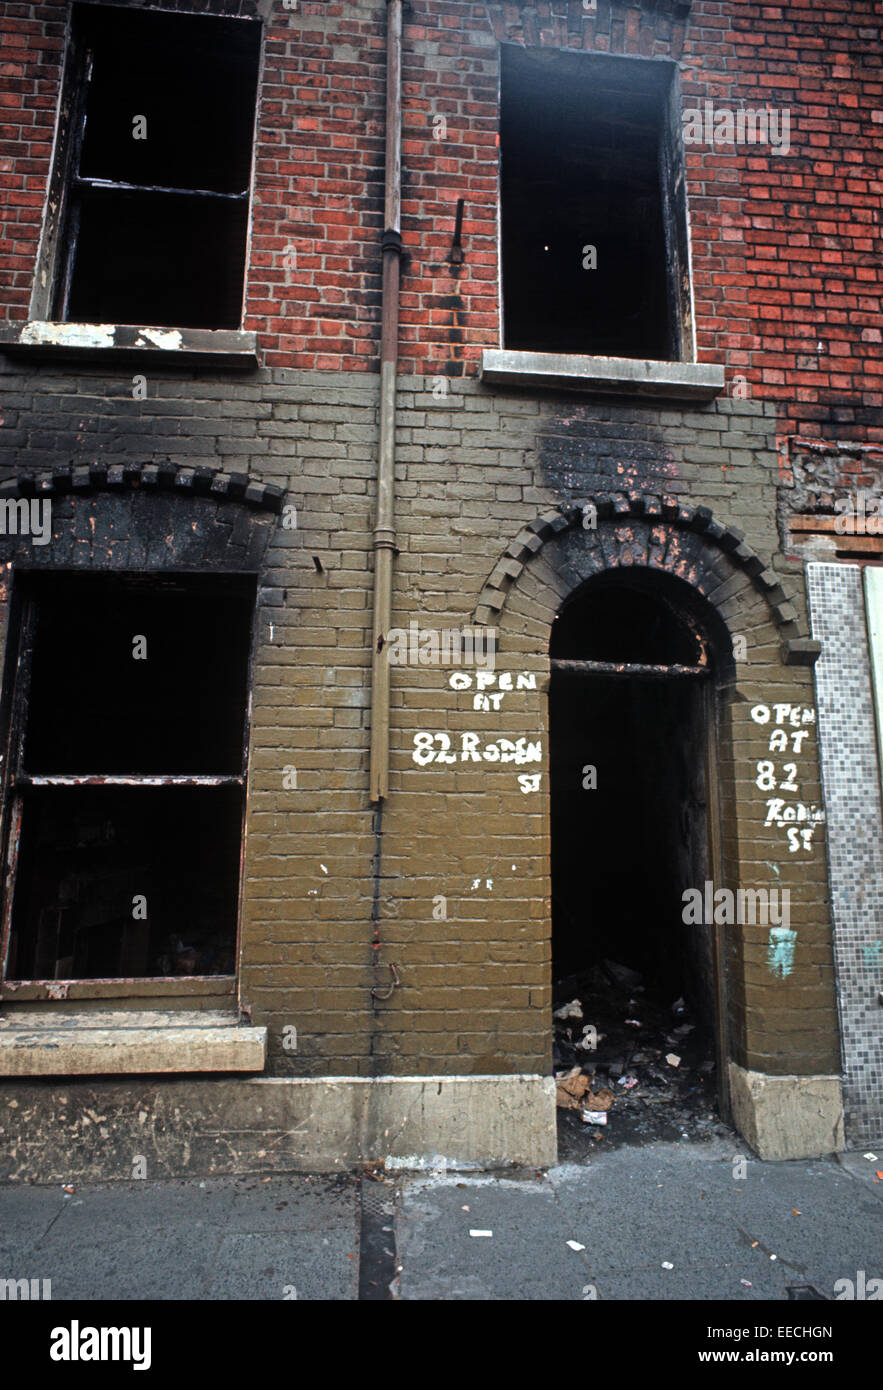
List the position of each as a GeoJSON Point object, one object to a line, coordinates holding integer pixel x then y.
{"type": "Point", "coordinates": [384, 521]}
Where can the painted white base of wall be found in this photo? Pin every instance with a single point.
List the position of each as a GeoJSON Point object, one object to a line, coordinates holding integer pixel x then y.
{"type": "Point", "coordinates": [91, 1129]}
{"type": "Point", "coordinates": [787, 1116]}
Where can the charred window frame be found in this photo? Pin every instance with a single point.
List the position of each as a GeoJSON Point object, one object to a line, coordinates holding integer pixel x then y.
{"type": "Point", "coordinates": [129, 873]}
{"type": "Point", "coordinates": [591, 156]}
{"type": "Point", "coordinates": [147, 218]}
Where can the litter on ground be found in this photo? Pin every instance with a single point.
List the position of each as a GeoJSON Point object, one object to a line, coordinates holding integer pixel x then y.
{"type": "Point", "coordinates": [654, 1057]}
{"type": "Point", "coordinates": [571, 1010]}
{"type": "Point", "coordinates": [570, 1089]}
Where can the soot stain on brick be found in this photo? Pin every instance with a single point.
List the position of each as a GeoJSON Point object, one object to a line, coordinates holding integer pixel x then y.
{"type": "Point", "coordinates": [602, 446]}
{"type": "Point", "coordinates": [149, 531]}
{"type": "Point", "coordinates": [453, 334]}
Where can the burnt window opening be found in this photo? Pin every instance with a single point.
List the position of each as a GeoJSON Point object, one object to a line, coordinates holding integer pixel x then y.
{"type": "Point", "coordinates": [159, 111]}
{"type": "Point", "coordinates": [127, 776]}
{"type": "Point", "coordinates": [593, 215]}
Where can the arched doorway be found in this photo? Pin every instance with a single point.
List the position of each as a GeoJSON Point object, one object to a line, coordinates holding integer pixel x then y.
{"type": "Point", "coordinates": [637, 656]}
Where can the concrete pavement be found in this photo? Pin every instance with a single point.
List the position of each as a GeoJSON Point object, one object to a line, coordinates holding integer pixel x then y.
{"type": "Point", "coordinates": [635, 1210]}
{"type": "Point", "coordinates": [715, 1216]}
{"type": "Point", "coordinates": [214, 1239]}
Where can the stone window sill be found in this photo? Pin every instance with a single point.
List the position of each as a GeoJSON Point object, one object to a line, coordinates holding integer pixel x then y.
{"type": "Point", "coordinates": [146, 987]}
{"type": "Point", "coordinates": [127, 342]}
{"type": "Point", "coordinates": [607, 375]}
{"type": "Point", "coordinates": [108, 1043]}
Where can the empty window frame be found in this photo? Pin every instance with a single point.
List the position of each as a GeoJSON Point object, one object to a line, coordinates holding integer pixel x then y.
{"type": "Point", "coordinates": [154, 168]}
{"type": "Point", "coordinates": [593, 214]}
{"type": "Point", "coordinates": [126, 784]}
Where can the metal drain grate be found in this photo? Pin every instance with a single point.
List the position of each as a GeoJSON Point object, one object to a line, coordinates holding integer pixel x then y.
{"type": "Point", "coordinates": [377, 1252]}
{"type": "Point", "coordinates": [377, 1198]}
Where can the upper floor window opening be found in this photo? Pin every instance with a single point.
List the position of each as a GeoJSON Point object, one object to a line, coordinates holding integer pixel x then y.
{"type": "Point", "coordinates": [593, 211]}
{"type": "Point", "coordinates": [149, 222]}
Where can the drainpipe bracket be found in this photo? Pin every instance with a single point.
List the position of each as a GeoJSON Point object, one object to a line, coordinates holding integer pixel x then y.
{"type": "Point", "coordinates": [385, 539]}
{"type": "Point", "coordinates": [392, 241]}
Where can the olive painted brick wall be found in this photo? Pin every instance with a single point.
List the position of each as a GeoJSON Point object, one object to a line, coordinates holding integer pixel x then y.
{"type": "Point", "coordinates": [783, 264]}
{"type": "Point", "coordinates": [473, 470]}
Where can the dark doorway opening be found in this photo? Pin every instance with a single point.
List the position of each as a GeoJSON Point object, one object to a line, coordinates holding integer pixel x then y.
{"type": "Point", "coordinates": [625, 851]}
{"type": "Point", "coordinates": [631, 716]}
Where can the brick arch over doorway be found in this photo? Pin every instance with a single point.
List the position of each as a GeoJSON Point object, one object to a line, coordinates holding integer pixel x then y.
{"type": "Point", "coordinates": [641, 530]}
{"type": "Point", "coordinates": [549, 562]}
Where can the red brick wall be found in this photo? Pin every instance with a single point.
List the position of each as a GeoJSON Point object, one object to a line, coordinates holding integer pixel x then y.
{"type": "Point", "coordinates": [31, 52]}
{"type": "Point", "coordinates": [786, 247]}
{"type": "Point", "coordinates": [783, 246]}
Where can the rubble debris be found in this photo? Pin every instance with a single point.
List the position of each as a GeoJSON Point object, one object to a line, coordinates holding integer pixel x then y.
{"type": "Point", "coordinates": [570, 1090]}
{"type": "Point", "coordinates": [599, 1100]}
{"type": "Point", "coordinates": [571, 1010]}
{"type": "Point", "coordinates": [622, 975]}
{"type": "Point", "coordinates": [655, 1098]}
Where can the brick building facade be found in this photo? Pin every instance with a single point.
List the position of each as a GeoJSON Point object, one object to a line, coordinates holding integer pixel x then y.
{"type": "Point", "coordinates": [631, 481]}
